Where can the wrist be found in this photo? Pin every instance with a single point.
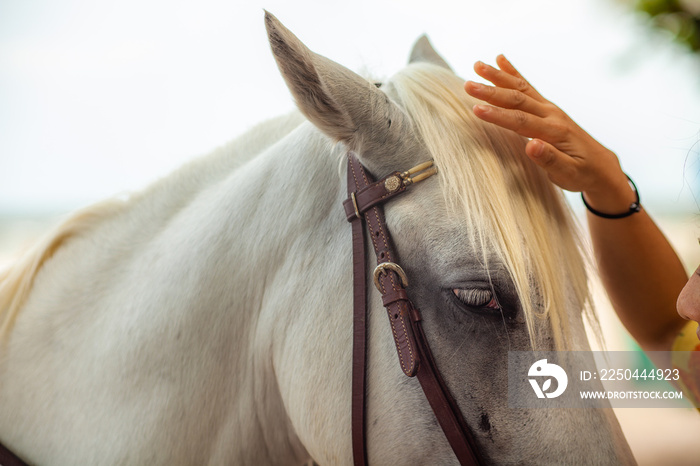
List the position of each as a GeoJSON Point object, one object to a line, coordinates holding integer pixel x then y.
{"type": "Point", "coordinates": [616, 199]}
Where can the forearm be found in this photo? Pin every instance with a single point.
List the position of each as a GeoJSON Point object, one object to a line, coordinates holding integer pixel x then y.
{"type": "Point", "coordinates": [639, 269]}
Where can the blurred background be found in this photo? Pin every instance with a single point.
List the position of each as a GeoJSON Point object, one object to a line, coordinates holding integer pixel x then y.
{"type": "Point", "coordinates": [100, 98]}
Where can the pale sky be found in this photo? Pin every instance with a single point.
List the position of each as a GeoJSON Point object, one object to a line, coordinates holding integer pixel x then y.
{"type": "Point", "coordinates": [102, 97]}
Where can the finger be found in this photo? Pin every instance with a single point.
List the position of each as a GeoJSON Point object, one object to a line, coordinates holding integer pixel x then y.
{"type": "Point", "coordinates": [502, 79]}
{"type": "Point", "coordinates": [504, 64]}
{"type": "Point", "coordinates": [506, 98]}
{"type": "Point", "coordinates": [560, 167]}
{"type": "Point", "coordinates": [523, 123]}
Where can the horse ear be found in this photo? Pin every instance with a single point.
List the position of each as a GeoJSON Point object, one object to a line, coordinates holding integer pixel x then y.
{"type": "Point", "coordinates": [423, 51]}
{"type": "Point", "coordinates": [343, 105]}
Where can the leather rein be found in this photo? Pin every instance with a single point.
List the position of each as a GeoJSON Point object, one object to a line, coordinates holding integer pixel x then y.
{"type": "Point", "coordinates": [364, 206]}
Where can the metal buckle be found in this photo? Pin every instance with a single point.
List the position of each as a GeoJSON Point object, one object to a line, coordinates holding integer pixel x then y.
{"type": "Point", "coordinates": [381, 268]}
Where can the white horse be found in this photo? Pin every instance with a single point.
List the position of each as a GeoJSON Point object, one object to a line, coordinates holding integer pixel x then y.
{"type": "Point", "coordinates": [208, 319]}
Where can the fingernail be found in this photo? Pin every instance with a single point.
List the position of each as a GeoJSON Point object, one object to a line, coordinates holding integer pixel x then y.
{"type": "Point", "coordinates": [482, 108]}
{"type": "Point", "coordinates": [538, 147]}
{"type": "Point", "coordinates": [475, 86]}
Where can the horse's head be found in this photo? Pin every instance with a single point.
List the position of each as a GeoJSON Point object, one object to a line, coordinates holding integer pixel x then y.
{"type": "Point", "coordinates": [489, 247]}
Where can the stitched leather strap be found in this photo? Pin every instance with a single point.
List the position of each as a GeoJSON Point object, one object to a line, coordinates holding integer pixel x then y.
{"type": "Point", "coordinates": [415, 357]}
{"type": "Point", "coordinates": [372, 194]}
{"type": "Point", "coordinates": [359, 339]}
{"type": "Point", "coordinates": [389, 281]}
{"type": "Point", "coordinates": [444, 406]}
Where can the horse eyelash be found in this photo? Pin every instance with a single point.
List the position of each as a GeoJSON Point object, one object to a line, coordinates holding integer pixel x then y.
{"type": "Point", "coordinates": [477, 297]}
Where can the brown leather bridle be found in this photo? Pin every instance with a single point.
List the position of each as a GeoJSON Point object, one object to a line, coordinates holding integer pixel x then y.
{"type": "Point", "coordinates": [364, 205]}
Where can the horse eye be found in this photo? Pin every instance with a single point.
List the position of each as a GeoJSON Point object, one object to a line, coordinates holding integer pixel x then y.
{"type": "Point", "coordinates": [475, 297]}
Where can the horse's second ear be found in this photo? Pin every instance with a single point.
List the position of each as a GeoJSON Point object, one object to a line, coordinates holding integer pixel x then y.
{"type": "Point", "coordinates": [423, 51]}
{"type": "Point", "coordinates": [339, 102]}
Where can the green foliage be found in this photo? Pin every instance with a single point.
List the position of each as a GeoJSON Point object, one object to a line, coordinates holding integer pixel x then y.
{"type": "Point", "coordinates": [680, 18]}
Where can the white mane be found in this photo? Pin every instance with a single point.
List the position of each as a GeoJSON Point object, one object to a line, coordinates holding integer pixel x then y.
{"type": "Point", "coordinates": [513, 210]}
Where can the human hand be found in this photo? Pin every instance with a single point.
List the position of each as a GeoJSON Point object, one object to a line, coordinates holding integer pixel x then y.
{"type": "Point", "coordinates": [572, 159]}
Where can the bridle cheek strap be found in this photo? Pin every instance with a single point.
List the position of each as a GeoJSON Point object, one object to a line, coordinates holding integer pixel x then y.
{"type": "Point", "coordinates": [364, 204]}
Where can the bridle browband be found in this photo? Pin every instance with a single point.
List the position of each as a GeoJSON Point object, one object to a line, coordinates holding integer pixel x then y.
{"type": "Point", "coordinates": [364, 205]}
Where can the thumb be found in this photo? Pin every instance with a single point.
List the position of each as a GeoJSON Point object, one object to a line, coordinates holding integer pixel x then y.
{"type": "Point", "coordinates": [556, 163]}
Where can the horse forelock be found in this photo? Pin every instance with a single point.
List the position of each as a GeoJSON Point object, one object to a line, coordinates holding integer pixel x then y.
{"type": "Point", "coordinates": [512, 210]}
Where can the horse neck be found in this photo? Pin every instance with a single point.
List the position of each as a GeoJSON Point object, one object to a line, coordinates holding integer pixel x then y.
{"type": "Point", "coordinates": [289, 224]}
{"type": "Point", "coordinates": [237, 235]}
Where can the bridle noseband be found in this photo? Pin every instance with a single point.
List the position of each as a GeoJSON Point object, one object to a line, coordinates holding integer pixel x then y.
{"type": "Point", "coordinates": [364, 205]}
